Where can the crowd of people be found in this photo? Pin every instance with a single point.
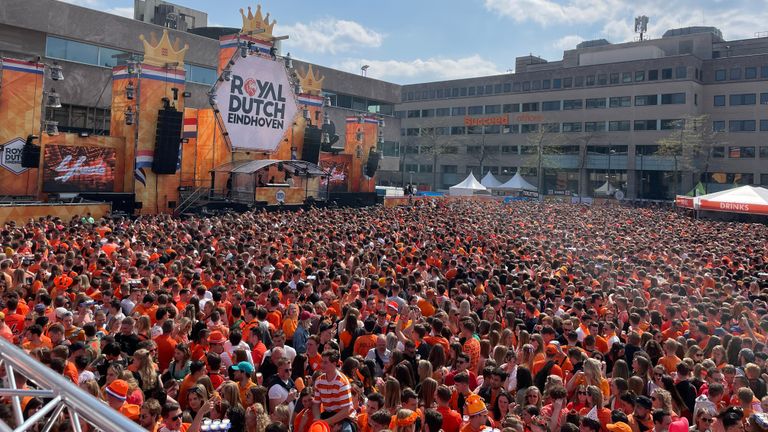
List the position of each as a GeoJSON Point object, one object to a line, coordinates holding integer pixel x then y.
{"type": "Point", "coordinates": [452, 315]}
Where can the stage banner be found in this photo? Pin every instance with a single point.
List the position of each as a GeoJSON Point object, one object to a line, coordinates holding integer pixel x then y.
{"type": "Point", "coordinates": [339, 165]}
{"type": "Point", "coordinates": [78, 169]}
{"type": "Point", "coordinates": [257, 105]}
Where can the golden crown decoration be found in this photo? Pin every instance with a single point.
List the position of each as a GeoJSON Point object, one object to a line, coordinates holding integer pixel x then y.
{"type": "Point", "coordinates": [252, 23]}
{"type": "Point", "coordinates": [162, 53]}
{"type": "Point", "coordinates": [310, 82]}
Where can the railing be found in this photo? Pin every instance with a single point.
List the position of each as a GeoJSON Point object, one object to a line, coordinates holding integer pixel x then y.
{"type": "Point", "coordinates": [58, 394]}
{"type": "Point", "coordinates": [191, 199]}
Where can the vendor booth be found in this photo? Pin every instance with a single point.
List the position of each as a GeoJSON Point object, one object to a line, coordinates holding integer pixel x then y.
{"type": "Point", "coordinates": [745, 199]}
{"type": "Point", "coordinates": [469, 187]}
{"type": "Point", "coordinates": [516, 186]}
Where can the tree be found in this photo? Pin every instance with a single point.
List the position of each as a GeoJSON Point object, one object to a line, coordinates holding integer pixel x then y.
{"type": "Point", "coordinates": [481, 155]}
{"type": "Point", "coordinates": [545, 140]}
{"type": "Point", "coordinates": [585, 140]}
{"type": "Point", "coordinates": [690, 144]}
{"type": "Point", "coordinates": [434, 143]}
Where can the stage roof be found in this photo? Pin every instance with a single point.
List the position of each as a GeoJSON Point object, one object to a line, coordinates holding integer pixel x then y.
{"type": "Point", "coordinates": [252, 166]}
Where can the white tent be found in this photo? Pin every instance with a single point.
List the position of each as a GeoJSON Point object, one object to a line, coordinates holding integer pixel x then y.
{"type": "Point", "coordinates": [517, 182]}
{"type": "Point", "coordinates": [744, 199]}
{"type": "Point", "coordinates": [468, 187]}
{"type": "Point", "coordinates": [606, 189]}
{"type": "Point", "coordinates": [490, 181]}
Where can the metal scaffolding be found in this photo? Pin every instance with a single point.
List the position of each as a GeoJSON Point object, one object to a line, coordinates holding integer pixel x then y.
{"type": "Point", "coordinates": [58, 395]}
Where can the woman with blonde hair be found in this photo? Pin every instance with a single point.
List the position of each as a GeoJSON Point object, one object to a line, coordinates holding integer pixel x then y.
{"type": "Point", "coordinates": [405, 420]}
{"type": "Point", "coordinates": [662, 399]}
{"type": "Point", "coordinates": [145, 372]}
{"type": "Point", "coordinates": [256, 418]}
{"type": "Point", "coordinates": [592, 375]}
{"type": "Point", "coordinates": [230, 393]}
{"type": "Point", "coordinates": [91, 387]}
{"type": "Point", "coordinates": [526, 356]}
{"type": "Point", "coordinates": [424, 370]}
{"type": "Point", "coordinates": [282, 414]}
{"type": "Point", "coordinates": [427, 394]}
{"type": "Point", "coordinates": [144, 328]}
{"type": "Point", "coordinates": [392, 400]}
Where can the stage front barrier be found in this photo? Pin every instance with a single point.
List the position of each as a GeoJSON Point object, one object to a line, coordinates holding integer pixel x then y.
{"type": "Point", "coordinates": [22, 213]}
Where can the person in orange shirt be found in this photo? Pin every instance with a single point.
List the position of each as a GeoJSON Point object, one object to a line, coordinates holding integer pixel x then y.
{"type": "Point", "coordinates": [471, 345]}
{"type": "Point", "coordinates": [670, 360]}
{"type": "Point", "coordinates": [477, 412]}
{"type": "Point", "coordinates": [549, 365]}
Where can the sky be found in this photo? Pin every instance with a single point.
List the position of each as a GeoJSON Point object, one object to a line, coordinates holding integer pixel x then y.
{"type": "Point", "coordinates": [409, 41]}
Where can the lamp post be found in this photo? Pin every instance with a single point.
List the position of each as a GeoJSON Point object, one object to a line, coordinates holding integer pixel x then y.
{"type": "Point", "coordinates": [610, 153]}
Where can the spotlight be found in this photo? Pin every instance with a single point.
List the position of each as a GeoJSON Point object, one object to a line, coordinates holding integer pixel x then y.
{"type": "Point", "coordinates": [359, 135]}
{"type": "Point", "coordinates": [131, 67]}
{"type": "Point", "coordinates": [326, 120]}
{"type": "Point", "coordinates": [306, 114]}
{"type": "Point", "coordinates": [325, 138]}
{"type": "Point", "coordinates": [381, 140]}
{"type": "Point", "coordinates": [129, 116]}
{"type": "Point", "coordinates": [327, 101]}
{"type": "Point", "coordinates": [243, 50]}
{"type": "Point", "coordinates": [298, 90]}
{"type": "Point", "coordinates": [129, 90]}
{"type": "Point", "coordinates": [288, 61]}
{"type": "Point", "coordinates": [381, 122]}
{"type": "Point", "coordinates": [273, 53]}
{"type": "Point", "coordinates": [51, 127]}
{"type": "Point", "coordinates": [54, 100]}
{"type": "Point", "coordinates": [56, 72]}
{"type": "Point", "coordinates": [212, 98]}
{"type": "Point", "coordinates": [226, 74]}
{"type": "Point", "coordinates": [360, 119]}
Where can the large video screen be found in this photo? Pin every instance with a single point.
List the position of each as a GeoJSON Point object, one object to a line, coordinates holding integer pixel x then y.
{"type": "Point", "coordinates": [78, 169]}
{"type": "Point", "coordinates": [339, 166]}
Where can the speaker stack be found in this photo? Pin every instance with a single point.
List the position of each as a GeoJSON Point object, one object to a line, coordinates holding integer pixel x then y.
{"type": "Point", "coordinates": [167, 141]}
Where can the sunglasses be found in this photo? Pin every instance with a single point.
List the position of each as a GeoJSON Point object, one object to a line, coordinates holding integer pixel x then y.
{"type": "Point", "coordinates": [581, 392]}
{"type": "Point", "coordinates": [708, 420]}
{"type": "Point", "coordinates": [176, 417]}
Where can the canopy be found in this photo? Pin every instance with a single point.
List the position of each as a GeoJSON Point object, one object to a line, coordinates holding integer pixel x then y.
{"type": "Point", "coordinates": [517, 182]}
{"type": "Point", "coordinates": [744, 199]}
{"type": "Point", "coordinates": [606, 189]}
{"type": "Point", "coordinates": [469, 186]}
{"type": "Point", "coordinates": [490, 181]}
{"type": "Point", "coordinates": [251, 166]}
{"type": "Point", "coordinates": [697, 190]}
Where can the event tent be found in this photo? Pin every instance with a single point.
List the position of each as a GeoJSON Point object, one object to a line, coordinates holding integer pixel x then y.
{"type": "Point", "coordinates": [517, 182]}
{"type": "Point", "coordinates": [744, 199]}
{"type": "Point", "coordinates": [489, 181]}
{"type": "Point", "coordinates": [468, 187]}
{"type": "Point", "coordinates": [606, 189]}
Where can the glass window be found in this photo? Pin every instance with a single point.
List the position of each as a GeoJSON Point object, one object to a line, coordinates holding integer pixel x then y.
{"type": "Point", "coordinates": [528, 128]}
{"type": "Point", "coordinates": [640, 76]}
{"type": "Point", "coordinates": [550, 127]}
{"type": "Point", "coordinates": [590, 80]}
{"type": "Point", "coordinates": [546, 84]}
{"type": "Point", "coordinates": [493, 129]}
{"type": "Point", "coordinates": [763, 71]}
{"type": "Point", "coordinates": [472, 91]}
{"type": "Point", "coordinates": [106, 58]}
{"type": "Point", "coordinates": [572, 104]}
{"type": "Point", "coordinates": [475, 110]}
{"type": "Point", "coordinates": [455, 92]}
{"type": "Point", "coordinates": [425, 168]}
{"type": "Point", "coordinates": [646, 100]}
{"type": "Point", "coordinates": [508, 108]}
{"type": "Point", "coordinates": [666, 73]}
{"type": "Point", "coordinates": [735, 152]}
{"type": "Point", "coordinates": [572, 127]}
{"type": "Point", "coordinates": [719, 100]}
{"type": "Point", "coordinates": [735, 73]}
{"type": "Point", "coordinates": [720, 75]}
{"type": "Point", "coordinates": [626, 77]}
{"type": "Point", "coordinates": [474, 130]}
{"type": "Point", "coordinates": [449, 169]}
{"type": "Point", "coordinates": [497, 88]}
{"type": "Point", "coordinates": [527, 86]}
{"type": "Point", "coordinates": [673, 98]}
{"type": "Point", "coordinates": [614, 78]}
{"type": "Point", "coordinates": [427, 113]}
{"type": "Point", "coordinates": [536, 85]}
{"type": "Point", "coordinates": [718, 126]}
{"type": "Point", "coordinates": [750, 72]}
{"type": "Point", "coordinates": [480, 90]}
{"type": "Point", "coordinates": [510, 129]}
{"type": "Point", "coordinates": [594, 126]}
{"type": "Point", "coordinates": [73, 51]}
{"type": "Point", "coordinates": [763, 125]}
{"type": "Point", "coordinates": [492, 109]}
{"type": "Point", "coordinates": [741, 126]}
{"type": "Point", "coordinates": [550, 105]}
{"type": "Point", "coordinates": [205, 75]}
{"type": "Point", "coordinates": [618, 126]}
{"type": "Point", "coordinates": [442, 112]}
{"type": "Point", "coordinates": [595, 103]}
{"type": "Point", "coordinates": [567, 82]}
{"type": "Point", "coordinates": [442, 130]}
{"type": "Point", "coordinates": [507, 87]}
{"type": "Point", "coordinates": [556, 83]}
{"type": "Point", "coordinates": [509, 149]}
{"type": "Point", "coordinates": [516, 87]}
{"type": "Point", "coordinates": [489, 89]}
{"type": "Point", "coordinates": [530, 106]}
{"type": "Point", "coordinates": [414, 113]}
{"type": "Point", "coordinates": [578, 81]}
{"type": "Point", "coordinates": [718, 152]}
{"type": "Point", "coordinates": [620, 101]}
{"type": "Point", "coordinates": [763, 98]}
{"type": "Point", "coordinates": [653, 75]}
{"type": "Point", "coordinates": [670, 124]}
{"type": "Point", "coordinates": [643, 125]}
{"type": "Point", "coordinates": [764, 153]}
{"type": "Point", "coordinates": [681, 72]}
{"type": "Point", "coordinates": [345, 101]}
{"type": "Point", "coordinates": [458, 111]}
{"type": "Point", "coordinates": [457, 130]}
{"type": "Point", "coordinates": [742, 99]}
{"type": "Point", "coordinates": [602, 79]}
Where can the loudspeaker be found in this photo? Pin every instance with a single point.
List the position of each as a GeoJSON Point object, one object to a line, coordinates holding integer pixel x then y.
{"type": "Point", "coordinates": [311, 149]}
{"type": "Point", "coordinates": [373, 163]}
{"type": "Point", "coordinates": [167, 141]}
{"type": "Point", "coordinates": [30, 153]}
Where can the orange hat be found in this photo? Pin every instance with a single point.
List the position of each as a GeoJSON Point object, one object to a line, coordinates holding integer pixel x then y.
{"type": "Point", "coordinates": [319, 426]}
{"type": "Point", "coordinates": [550, 350]}
{"type": "Point", "coordinates": [117, 389]}
{"type": "Point", "coordinates": [618, 427]}
{"type": "Point", "coordinates": [216, 337]}
{"type": "Point", "coordinates": [131, 411]}
{"type": "Point", "coordinates": [62, 281]}
{"type": "Point", "coordinates": [475, 405]}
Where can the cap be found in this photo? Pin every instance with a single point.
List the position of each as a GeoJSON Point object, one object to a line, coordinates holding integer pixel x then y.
{"type": "Point", "coordinates": [305, 315]}
{"type": "Point", "coordinates": [243, 366]}
{"type": "Point", "coordinates": [679, 425]}
{"type": "Point", "coordinates": [39, 308]}
{"type": "Point", "coordinates": [393, 305]}
{"type": "Point", "coordinates": [319, 426]}
{"type": "Point", "coordinates": [644, 401]}
{"type": "Point", "coordinates": [618, 427]}
{"type": "Point", "coordinates": [61, 312]}
{"type": "Point", "coordinates": [117, 389]}
{"type": "Point", "coordinates": [474, 405]}
{"type": "Point", "coordinates": [551, 350]}
{"type": "Point", "coordinates": [216, 337]}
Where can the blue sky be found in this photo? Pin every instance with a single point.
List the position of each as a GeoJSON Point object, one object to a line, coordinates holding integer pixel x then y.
{"type": "Point", "coordinates": [407, 41]}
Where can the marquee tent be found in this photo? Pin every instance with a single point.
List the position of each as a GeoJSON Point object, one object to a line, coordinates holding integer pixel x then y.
{"type": "Point", "coordinates": [489, 181]}
{"type": "Point", "coordinates": [517, 182]}
{"type": "Point", "coordinates": [470, 186]}
{"type": "Point", "coordinates": [606, 189]}
{"type": "Point", "coordinates": [744, 199]}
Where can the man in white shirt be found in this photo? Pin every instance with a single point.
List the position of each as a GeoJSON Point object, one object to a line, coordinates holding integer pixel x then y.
{"type": "Point", "coordinates": [278, 340]}
{"type": "Point", "coordinates": [380, 355]}
{"type": "Point", "coordinates": [282, 390]}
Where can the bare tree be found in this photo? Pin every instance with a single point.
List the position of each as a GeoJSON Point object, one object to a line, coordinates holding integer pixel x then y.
{"type": "Point", "coordinates": [690, 144]}
{"type": "Point", "coordinates": [482, 154]}
{"type": "Point", "coordinates": [546, 141]}
{"type": "Point", "coordinates": [434, 143]}
{"type": "Point", "coordinates": [585, 140]}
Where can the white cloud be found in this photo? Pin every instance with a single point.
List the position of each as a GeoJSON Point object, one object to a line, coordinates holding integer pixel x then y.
{"type": "Point", "coordinates": [122, 11]}
{"type": "Point", "coordinates": [103, 6]}
{"type": "Point", "coordinates": [568, 42]}
{"type": "Point", "coordinates": [614, 19]}
{"type": "Point", "coordinates": [431, 69]}
{"type": "Point", "coordinates": [330, 36]}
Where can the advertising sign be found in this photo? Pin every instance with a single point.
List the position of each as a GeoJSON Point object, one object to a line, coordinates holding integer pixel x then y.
{"type": "Point", "coordinates": [10, 156]}
{"type": "Point", "coordinates": [338, 165]}
{"type": "Point", "coordinates": [257, 104]}
{"type": "Point", "coordinates": [78, 169]}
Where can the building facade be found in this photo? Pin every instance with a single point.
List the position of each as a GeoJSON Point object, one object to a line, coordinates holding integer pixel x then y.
{"type": "Point", "coordinates": [597, 116]}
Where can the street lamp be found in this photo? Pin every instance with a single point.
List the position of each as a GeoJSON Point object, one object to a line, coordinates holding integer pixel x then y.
{"type": "Point", "coordinates": [610, 153]}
